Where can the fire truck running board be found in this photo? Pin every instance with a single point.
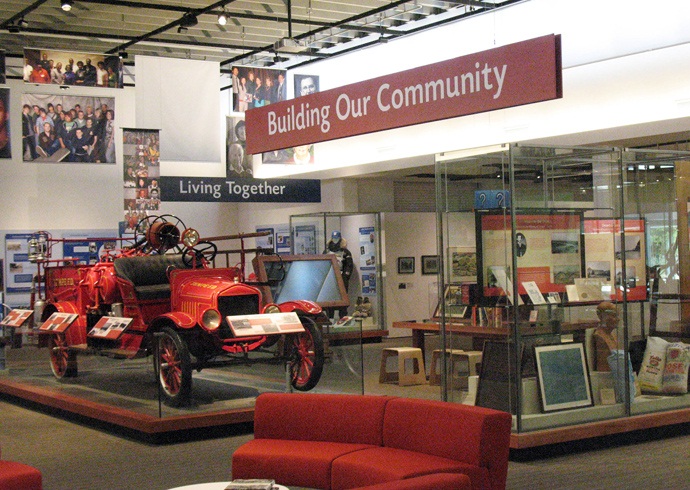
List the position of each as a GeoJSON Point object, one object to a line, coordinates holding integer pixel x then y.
{"type": "Point", "coordinates": [114, 353]}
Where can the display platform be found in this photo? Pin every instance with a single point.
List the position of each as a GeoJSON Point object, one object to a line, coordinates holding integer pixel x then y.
{"type": "Point", "coordinates": [123, 393]}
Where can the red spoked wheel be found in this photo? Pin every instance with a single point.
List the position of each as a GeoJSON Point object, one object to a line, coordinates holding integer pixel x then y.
{"type": "Point", "coordinates": [175, 373]}
{"type": "Point", "coordinates": [305, 356]}
{"type": "Point", "coordinates": [63, 362]}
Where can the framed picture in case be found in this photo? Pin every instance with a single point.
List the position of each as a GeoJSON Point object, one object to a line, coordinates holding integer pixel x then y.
{"type": "Point", "coordinates": [563, 376]}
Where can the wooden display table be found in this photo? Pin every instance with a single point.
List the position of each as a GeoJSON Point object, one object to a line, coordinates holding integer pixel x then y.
{"type": "Point", "coordinates": [479, 334]}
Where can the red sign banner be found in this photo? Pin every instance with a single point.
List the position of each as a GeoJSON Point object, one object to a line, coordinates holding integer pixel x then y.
{"type": "Point", "coordinates": [508, 76]}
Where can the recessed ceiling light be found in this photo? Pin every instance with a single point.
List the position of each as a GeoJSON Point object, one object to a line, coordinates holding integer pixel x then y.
{"type": "Point", "coordinates": [67, 5]}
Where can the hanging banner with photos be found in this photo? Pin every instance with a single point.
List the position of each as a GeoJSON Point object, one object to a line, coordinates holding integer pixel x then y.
{"type": "Point", "coordinates": [48, 66]}
{"type": "Point", "coordinates": [141, 174]}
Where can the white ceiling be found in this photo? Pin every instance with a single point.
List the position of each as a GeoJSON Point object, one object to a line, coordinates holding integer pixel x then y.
{"type": "Point", "coordinates": [152, 27]}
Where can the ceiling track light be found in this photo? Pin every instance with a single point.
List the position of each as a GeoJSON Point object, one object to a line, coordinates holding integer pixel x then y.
{"type": "Point", "coordinates": [181, 30]}
{"type": "Point", "coordinates": [223, 18]}
{"type": "Point", "coordinates": [67, 5]}
{"type": "Point", "coordinates": [23, 23]}
{"type": "Point", "coordinates": [188, 20]}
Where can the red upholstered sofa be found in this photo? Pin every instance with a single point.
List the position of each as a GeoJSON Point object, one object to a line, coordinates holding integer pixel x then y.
{"type": "Point", "coordinates": [338, 442]}
{"type": "Point", "coordinates": [18, 476]}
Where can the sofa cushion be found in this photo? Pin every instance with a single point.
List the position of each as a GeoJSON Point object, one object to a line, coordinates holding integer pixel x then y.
{"type": "Point", "coordinates": [355, 419]}
{"type": "Point", "coordinates": [18, 476]}
{"type": "Point", "coordinates": [437, 481]}
{"type": "Point", "coordinates": [384, 464]}
{"type": "Point", "coordinates": [289, 462]}
{"type": "Point", "coordinates": [472, 435]}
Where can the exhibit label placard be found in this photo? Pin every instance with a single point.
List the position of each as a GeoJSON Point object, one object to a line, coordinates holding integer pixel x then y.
{"type": "Point", "coordinates": [209, 189]}
{"type": "Point", "coordinates": [508, 76]}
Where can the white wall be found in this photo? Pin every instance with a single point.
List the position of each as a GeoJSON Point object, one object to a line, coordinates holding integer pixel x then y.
{"type": "Point", "coordinates": [408, 235]}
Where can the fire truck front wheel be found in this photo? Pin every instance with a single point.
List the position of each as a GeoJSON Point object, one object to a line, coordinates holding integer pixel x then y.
{"type": "Point", "coordinates": [175, 367]}
{"type": "Point", "coordinates": [63, 362]}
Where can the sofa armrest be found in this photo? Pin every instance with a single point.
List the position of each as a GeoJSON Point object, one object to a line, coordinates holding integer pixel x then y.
{"type": "Point", "coordinates": [469, 434]}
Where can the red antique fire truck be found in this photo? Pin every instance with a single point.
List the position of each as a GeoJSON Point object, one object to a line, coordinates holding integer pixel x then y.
{"type": "Point", "coordinates": [161, 296]}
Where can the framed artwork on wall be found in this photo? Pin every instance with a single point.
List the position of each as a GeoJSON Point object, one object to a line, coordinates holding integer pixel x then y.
{"type": "Point", "coordinates": [405, 265]}
{"type": "Point", "coordinates": [563, 376]}
{"type": "Point", "coordinates": [430, 264]}
{"type": "Point", "coordinates": [463, 264]}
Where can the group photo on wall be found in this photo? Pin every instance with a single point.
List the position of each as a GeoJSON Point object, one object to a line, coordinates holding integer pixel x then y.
{"type": "Point", "coordinates": [58, 128]}
{"type": "Point", "coordinates": [45, 66]}
{"type": "Point", "coordinates": [256, 87]}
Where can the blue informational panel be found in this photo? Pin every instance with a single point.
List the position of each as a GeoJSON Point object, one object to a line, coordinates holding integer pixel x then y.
{"type": "Point", "coordinates": [19, 271]}
{"type": "Point", "coordinates": [367, 260]}
{"type": "Point", "coordinates": [491, 199]}
{"type": "Point", "coordinates": [89, 250]}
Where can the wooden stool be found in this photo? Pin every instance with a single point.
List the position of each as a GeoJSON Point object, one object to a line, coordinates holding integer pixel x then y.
{"type": "Point", "coordinates": [434, 374]}
{"type": "Point", "coordinates": [472, 358]}
{"type": "Point", "coordinates": [415, 376]}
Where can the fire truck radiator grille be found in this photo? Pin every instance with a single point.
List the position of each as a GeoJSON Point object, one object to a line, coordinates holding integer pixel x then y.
{"type": "Point", "coordinates": [236, 305]}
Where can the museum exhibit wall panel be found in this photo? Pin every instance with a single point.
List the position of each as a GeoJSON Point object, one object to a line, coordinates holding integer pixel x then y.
{"type": "Point", "coordinates": [61, 195]}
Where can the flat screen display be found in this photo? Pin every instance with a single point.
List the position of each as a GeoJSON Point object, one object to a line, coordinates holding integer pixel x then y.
{"type": "Point", "coordinates": [307, 277]}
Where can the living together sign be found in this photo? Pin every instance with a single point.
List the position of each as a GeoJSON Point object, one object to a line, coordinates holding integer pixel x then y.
{"type": "Point", "coordinates": [508, 76]}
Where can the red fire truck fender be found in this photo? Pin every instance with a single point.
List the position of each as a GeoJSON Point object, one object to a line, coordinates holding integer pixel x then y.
{"type": "Point", "coordinates": [182, 320]}
{"type": "Point", "coordinates": [303, 305]}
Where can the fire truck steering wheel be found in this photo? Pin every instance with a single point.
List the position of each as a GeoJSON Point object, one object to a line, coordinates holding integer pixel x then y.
{"type": "Point", "coordinates": [202, 254]}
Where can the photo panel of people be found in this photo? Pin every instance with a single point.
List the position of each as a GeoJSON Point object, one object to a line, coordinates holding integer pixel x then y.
{"type": "Point", "coordinates": [68, 129]}
{"type": "Point", "coordinates": [46, 66]}
{"type": "Point", "coordinates": [3, 78]}
{"type": "Point", "coordinates": [299, 155]}
{"type": "Point", "coordinates": [238, 162]}
{"type": "Point", "coordinates": [256, 87]}
{"type": "Point", "coordinates": [5, 140]}
{"type": "Point", "coordinates": [141, 174]}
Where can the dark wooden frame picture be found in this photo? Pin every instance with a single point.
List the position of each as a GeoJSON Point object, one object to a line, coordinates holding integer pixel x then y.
{"type": "Point", "coordinates": [430, 264]}
{"type": "Point", "coordinates": [405, 265]}
{"type": "Point", "coordinates": [563, 376]}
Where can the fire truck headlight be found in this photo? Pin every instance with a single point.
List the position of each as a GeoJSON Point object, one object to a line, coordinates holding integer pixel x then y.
{"type": "Point", "coordinates": [271, 309]}
{"type": "Point", "coordinates": [210, 319]}
{"type": "Point", "coordinates": [190, 237]}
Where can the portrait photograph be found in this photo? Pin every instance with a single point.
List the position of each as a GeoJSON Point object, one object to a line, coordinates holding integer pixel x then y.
{"type": "Point", "coordinates": [238, 162]}
{"type": "Point", "coordinates": [68, 129]}
{"type": "Point", "coordinates": [306, 85]}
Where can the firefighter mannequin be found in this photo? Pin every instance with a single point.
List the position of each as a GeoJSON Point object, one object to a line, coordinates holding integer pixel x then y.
{"type": "Point", "coordinates": [338, 245]}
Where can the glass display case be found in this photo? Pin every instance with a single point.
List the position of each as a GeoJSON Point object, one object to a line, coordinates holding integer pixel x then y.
{"type": "Point", "coordinates": [575, 293]}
